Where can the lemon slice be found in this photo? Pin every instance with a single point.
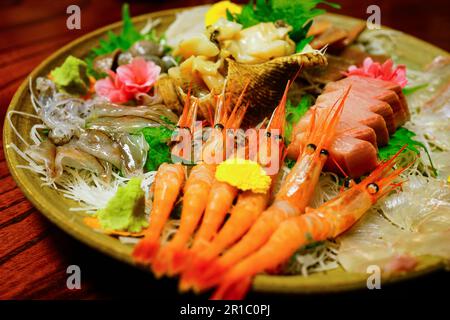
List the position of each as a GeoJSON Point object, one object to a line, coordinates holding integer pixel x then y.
{"type": "Point", "coordinates": [219, 10]}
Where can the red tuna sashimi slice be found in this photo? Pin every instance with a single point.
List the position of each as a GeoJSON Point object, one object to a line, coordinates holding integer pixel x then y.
{"type": "Point", "coordinates": [356, 157]}
{"type": "Point", "coordinates": [350, 158]}
{"type": "Point", "coordinates": [355, 100]}
{"type": "Point", "coordinates": [389, 85]}
{"type": "Point", "coordinates": [388, 96]}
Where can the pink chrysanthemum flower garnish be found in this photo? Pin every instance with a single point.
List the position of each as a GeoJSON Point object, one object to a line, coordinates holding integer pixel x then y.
{"type": "Point", "coordinates": [385, 71]}
{"type": "Point", "coordinates": [138, 76]}
{"type": "Point", "coordinates": [112, 88]}
{"type": "Point", "coordinates": [134, 78]}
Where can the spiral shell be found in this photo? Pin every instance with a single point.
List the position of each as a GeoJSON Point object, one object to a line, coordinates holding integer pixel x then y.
{"type": "Point", "coordinates": [267, 81]}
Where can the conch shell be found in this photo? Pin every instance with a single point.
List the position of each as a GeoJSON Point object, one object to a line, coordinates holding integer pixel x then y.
{"type": "Point", "coordinates": [267, 81]}
{"type": "Point", "coordinates": [266, 84]}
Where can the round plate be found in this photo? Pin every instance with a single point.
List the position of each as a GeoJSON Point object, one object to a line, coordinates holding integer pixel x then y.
{"type": "Point", "coordinates": [53, 205]}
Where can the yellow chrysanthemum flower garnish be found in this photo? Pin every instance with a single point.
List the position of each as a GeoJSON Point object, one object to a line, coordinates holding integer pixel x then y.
{"type": "Point", "coordinates": [244, 175]}
{"type": "Point", "coordinates": [219, 10]}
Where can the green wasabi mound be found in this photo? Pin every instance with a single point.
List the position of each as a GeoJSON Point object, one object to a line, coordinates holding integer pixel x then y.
{"type": "Point", "coordinates": [125, 211]}
{"type": "Point", "coordinates": [71, 77]}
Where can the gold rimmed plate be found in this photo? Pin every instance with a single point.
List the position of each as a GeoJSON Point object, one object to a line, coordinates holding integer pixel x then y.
{"type": "Point", "coordinates": [56, 207]}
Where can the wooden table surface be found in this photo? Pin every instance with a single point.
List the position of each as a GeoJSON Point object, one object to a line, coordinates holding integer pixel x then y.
{"type": "Point", "coordinates": [34, 254]}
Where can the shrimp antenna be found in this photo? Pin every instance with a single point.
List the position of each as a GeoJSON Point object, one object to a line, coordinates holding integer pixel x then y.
{"type": "Point", "coordinates": [330, 124]}
{"type": "Point", "coordinates": [182, 121]}
{"type": "Point", "coordinates": [238, 112]}
{"type": "Point", "coordinates": [278, 118]}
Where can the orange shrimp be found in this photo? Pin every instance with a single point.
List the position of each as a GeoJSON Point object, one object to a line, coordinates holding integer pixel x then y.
{"type": "Point", "coordinates": [292, 198]}
{"type": "Point", "coordinates": [167, 186]}
{"type": "Point", "coordinates": [328, 221]}
{"type": "Point", "coordinates": [247, 209]}
{"type": "Point", "coordinates": [170, 259]}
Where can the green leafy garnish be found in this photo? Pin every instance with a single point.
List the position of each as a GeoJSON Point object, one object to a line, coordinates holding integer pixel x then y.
{"type": "Point", "coordinates": [123, 41]}
{"type": "Point", "coordinates": [296, 13]}
{"type": "Point", "coordinates": [400, 138]}
{"type": "Point", "coordinates": [294, 113]}
{"type": "Point", "coordinates": [411, 90]}
{"type": "Point", "coordinates": [302, 44]}
{"type": "Point", "coordinates": [159, 151]}
{"type": "Point", "coordinates": [166, 120]}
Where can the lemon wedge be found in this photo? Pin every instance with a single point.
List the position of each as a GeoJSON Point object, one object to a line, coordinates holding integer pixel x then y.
{"type": "Point", "coordinates": [219, 10]}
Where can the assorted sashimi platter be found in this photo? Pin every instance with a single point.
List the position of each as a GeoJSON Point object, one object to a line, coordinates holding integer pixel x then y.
{"type": "Point", "coordinates": [225, 144]}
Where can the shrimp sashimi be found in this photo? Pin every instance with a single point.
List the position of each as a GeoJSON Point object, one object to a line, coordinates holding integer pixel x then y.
{"type": "Point", "coordinates": [198, 184]}
{"type": "Point", "coordinates": [292, 198]}
{"type": "Point", "coordinates": [220, 200]}
{"type": "Point", "coordinates": [166, 187]}
{"type": "Point", "coordinates": [247, 209]}
{"type": "Point", "coordinates": [328, 221]}
{"type": "Point", "coordinates": [170, 259]}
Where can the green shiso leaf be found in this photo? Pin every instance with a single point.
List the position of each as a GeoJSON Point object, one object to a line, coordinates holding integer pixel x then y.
{"type": "Point", "coordinates": [296, 13]}
{"type": "Point", "coordinates": [294, 113]}
{"type": "Point", "coordinates": [400, 138]}
{"type": "Point", "coordinates": [159, 151]}
{"type": "Point", "coordinates": [128, 36]}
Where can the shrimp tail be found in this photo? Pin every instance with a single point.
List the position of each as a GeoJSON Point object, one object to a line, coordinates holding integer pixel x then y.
{"type": "Point", "coordinates": [233, 289]}
{"type": "Point", "coordinates": [145, 251]}
{"type": "Point", "coordinates": [213, 273]}
{"type": "Point", "coordinates": [180, 260]}
{"type": "Point", "coordinates": [197, 266]}
{"type": "Point", "coordinates": [160, 265]}
{"type": "Point", "coordinates": [170, 260]}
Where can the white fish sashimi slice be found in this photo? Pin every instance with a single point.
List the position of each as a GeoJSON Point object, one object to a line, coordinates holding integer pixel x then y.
{"type": "Point", "coordinates": [419, 225]}
{"type": "Point", "coordinates": [422, 205]}
{"type": "Point", "coordinates": [370, 241]}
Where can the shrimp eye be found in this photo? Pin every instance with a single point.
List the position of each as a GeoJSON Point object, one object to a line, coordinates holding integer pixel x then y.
{"type": "Point", "coordinates": [312, 147]}
{"type": "Point", "coordinates": [324, 152]}
{"type": "Point", "coordinates": [373, 188]}
{"type": "Point", "coordinates": [268, 134]}
{"type": "Point", "coordinates": [349, 182]}
{"type": "Point", "coordinates": [219, 126]}
{"type": "Point", "coordinates": [278, 137]}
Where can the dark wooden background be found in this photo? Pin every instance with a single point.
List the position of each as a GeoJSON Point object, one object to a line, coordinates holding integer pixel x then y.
{"type": "Point", "coordinates": [34, 254]}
